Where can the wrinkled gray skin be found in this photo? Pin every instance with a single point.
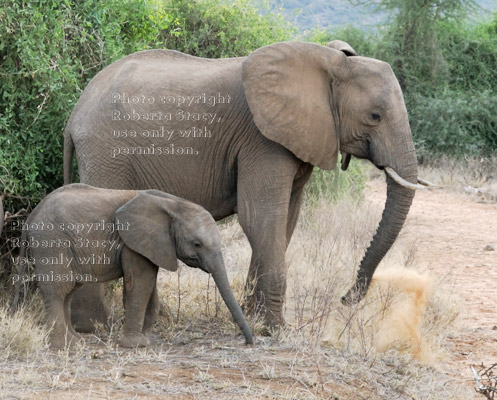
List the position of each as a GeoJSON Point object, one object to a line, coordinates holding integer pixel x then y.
{"type": "Point", "coordinates": [293, 106]}
{"type": "Point", "coordinates": [153, 229]}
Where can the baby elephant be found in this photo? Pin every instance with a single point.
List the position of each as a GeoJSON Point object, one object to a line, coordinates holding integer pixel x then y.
{"type": "Point", "coordinates": [81, 234]}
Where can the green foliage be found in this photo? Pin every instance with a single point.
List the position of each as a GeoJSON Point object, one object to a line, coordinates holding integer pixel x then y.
{"type": "Point", "coordinates": [458, 115]}
{"type": "Point", "coordinates": [414, 38]}
{"type": "Point", "coordinates": [471, 56]}
{"type": "Point", "coordinates": [216, 28]}
{"type": "Point", "coordinates": [455, 123]}
{"type": "Point", "coordinates": [336, 184]}
{"type": "Point", "coordinates": [361, 41]}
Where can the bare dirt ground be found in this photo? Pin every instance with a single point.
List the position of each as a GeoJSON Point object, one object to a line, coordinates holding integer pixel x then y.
{"type": "Point", "coordinates": [455, 234]}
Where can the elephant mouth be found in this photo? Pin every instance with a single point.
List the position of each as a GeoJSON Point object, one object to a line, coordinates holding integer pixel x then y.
{"type": "Point", "coordinates": [203, 269]}
{"type": "Point", "coordinates": [421, 183]}
{"type": "Point", "coordinates": [194, 262]}
{"type": "Point", "coordinates": [345, 160]}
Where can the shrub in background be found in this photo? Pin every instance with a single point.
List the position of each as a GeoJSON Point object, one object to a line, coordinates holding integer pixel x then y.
{"type": "Point", "coordinates": [455, 123]}
{"type": "Point", "coordinates": [218, 29]}
{"type": "Point", "coordinates": [337, 184]}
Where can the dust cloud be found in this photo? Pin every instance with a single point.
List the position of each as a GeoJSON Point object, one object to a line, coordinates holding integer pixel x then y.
{"type": "Point", "coordinates": [401, 326]}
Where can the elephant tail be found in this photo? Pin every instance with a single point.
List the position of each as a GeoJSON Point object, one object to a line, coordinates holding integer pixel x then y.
{"type": "Point", "coordinates": [20, 279]}
{"type": "Point", "coordinates": [68, 155]}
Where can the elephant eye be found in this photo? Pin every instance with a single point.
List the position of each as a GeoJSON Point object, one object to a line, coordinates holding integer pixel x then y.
{"type": "Point", "coordinates": [197, 244]}
{"type": "Point", "coordinates": [376, 117]}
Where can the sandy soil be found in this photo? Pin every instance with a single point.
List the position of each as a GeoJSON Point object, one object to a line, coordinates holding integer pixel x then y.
{"type": "Point", "coordinates": [455, 234]}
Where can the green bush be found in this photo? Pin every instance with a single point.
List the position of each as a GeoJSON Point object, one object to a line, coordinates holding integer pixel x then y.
{"type": "Point", "coordinates": [471, 54]}
{"type": "Point", "coordinates": [455, 123]}
{"type": "Point", "coordinates": [458, 116]}
{"type": "Point", "coordinates": [364, 43]}
{"type": "Point", "coordinates": [218, 29]}
{"type": "Point", "coordinates": [336, 184]}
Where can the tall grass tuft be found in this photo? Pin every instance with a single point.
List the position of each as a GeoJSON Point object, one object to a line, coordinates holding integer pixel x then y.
{"type": "Point", "coordinates": [22, 333]}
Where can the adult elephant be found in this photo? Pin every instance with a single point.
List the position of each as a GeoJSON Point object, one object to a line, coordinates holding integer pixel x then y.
{"type": "Point", "coordinates": [242, 135]}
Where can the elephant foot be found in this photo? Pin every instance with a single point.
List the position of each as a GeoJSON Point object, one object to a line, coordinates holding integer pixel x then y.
{"type": "Point", "coordinates": [67, 340]}
{"type": "Point", "coordinates": [272, 323]}
{"type": "Point", "coordinates": [273, 320]}
{"type": "Point", "coordinates": [134, 340]}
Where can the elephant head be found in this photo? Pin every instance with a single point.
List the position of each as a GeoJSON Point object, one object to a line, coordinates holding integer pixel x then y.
{"type": "Point", "coordinates": [181, 230]}
{"type": "Point", "coordinates": [318, 100]}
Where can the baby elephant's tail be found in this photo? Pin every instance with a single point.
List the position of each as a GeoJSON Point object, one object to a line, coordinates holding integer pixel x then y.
{"type": "Point", "coordinates": [20, 280]}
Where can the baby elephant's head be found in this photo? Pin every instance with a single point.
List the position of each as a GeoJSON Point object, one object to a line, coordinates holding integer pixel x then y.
{"type": "Point", "coordinates": [197, 239]}
{"type": "Point", "coordinates": [164, 228]}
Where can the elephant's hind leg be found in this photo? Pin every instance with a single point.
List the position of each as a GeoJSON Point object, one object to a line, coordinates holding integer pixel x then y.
{"type": "Point", "coordinates": [55, 298]}
{"type": "Point", "coordinates": [67, 311]}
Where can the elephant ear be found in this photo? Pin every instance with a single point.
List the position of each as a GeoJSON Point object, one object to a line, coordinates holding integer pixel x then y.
{"type": "Point", "coordinates": [146, 222]}
{"type": "Point", "coordinates": [342, 46]}
{"type": "Point", "coordinates": [288, 90]}
{"type": "Point", "coordinates": [346, 49]}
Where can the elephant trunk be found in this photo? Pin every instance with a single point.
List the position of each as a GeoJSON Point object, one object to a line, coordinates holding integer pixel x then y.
{"type": "Point", "coordinates": [399, 200]}
{"type": "Point", "coordinates": [222, 283]}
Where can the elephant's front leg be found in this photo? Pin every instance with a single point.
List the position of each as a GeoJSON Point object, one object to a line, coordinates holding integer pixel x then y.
{"type": "Point", "coordinates": [140, 277]}
{"type": "Point", "coordinates": [152, 311]}
{"type": "Point", "coordinates": [263, 205]}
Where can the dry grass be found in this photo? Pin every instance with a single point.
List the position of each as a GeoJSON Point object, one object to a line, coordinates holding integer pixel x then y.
{"type": "Point", "coordinates": [387, 346]}
{"type": "Point", "coordinates": [475, 176]}
{"type": "Point", "coordinates": [22, 334]}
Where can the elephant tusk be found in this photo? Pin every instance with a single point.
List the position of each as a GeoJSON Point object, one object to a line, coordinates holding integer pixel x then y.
{"type": "Point", "coordinates": [401, 181]}
{"type": "Point", "coordinates": [426, 183]}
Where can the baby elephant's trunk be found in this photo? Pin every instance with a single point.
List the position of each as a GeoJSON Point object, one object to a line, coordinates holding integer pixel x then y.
{"type": "Point", "coordinates": [219, 274]}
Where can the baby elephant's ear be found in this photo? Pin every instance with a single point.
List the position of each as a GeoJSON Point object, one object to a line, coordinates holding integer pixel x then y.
{"type": "Point", "coordinates": [145, 228]}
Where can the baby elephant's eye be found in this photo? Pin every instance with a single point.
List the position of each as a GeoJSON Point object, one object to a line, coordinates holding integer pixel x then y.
{"type": "Point", "coordinates": [197, 244]}
{"type": "Point", "coordinates": [376, 117]}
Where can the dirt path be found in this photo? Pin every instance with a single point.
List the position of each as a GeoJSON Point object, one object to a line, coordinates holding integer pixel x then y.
{"type": "Point", "coordinates": [452, 232]}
